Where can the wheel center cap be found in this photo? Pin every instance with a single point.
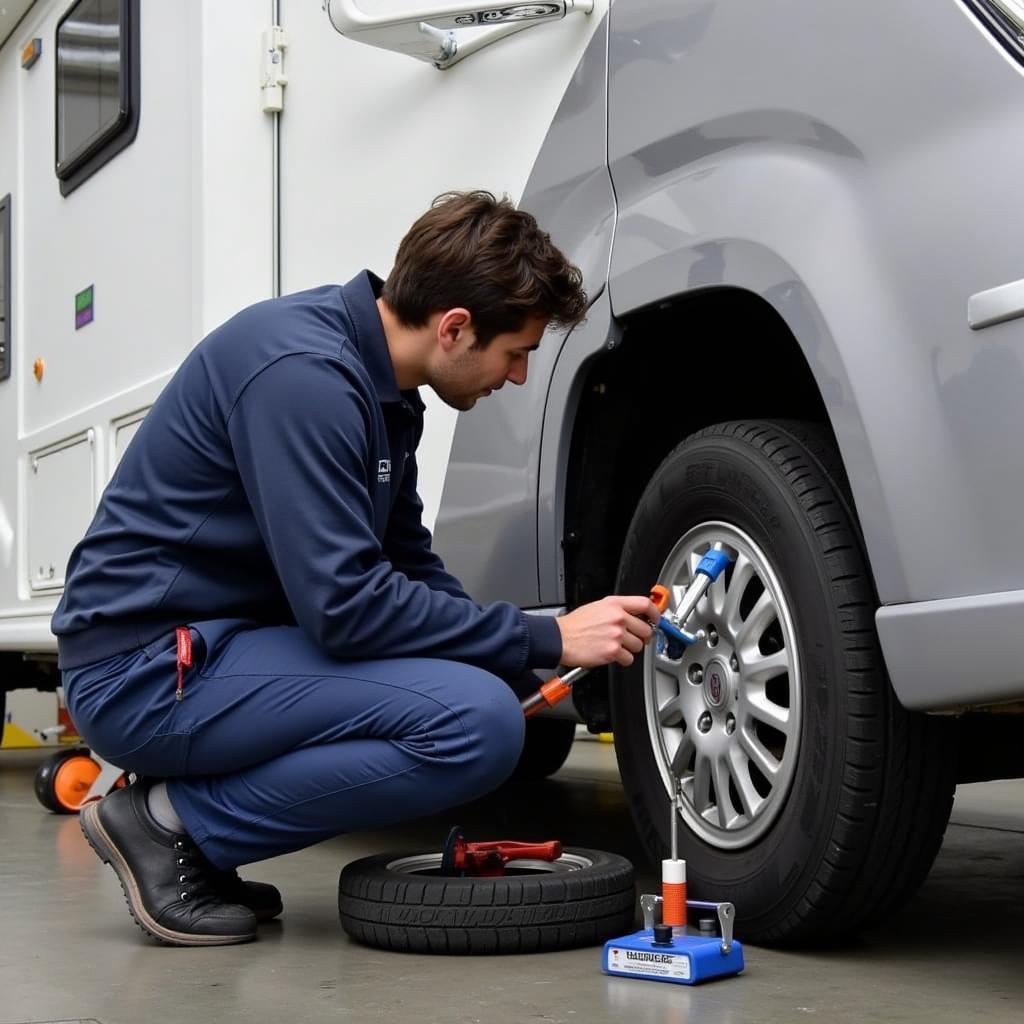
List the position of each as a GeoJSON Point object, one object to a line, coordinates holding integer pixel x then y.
{"type": "Point", "coordinates": [716, 684]}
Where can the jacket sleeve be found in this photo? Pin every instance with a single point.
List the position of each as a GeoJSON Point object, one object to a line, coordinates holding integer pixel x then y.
{"type": "Point", "coordinates": [301, 432]}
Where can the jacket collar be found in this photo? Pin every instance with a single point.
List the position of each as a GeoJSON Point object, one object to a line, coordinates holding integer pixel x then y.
{"type": "Point", "coordinates": [360, 296]}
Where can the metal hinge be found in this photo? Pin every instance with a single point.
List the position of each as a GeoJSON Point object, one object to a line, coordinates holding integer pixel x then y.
{"type": "Point", "coordinates": [273, 79]}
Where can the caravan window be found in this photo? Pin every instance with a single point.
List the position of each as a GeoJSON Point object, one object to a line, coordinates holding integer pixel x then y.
{"type": "Point", "coordinates": [5, 287]}
{"type": "Point", "coordinates": [97, 86]}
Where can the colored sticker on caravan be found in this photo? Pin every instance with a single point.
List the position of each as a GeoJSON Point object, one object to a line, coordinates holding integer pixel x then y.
{"type": "Point", "coordinates": [83, 308]}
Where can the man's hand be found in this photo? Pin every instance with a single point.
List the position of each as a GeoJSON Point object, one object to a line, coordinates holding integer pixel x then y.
{"type": "Point", "coordinates": [612, 629]}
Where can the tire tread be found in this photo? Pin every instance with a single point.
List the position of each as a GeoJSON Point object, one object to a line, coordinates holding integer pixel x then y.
{"type": "Point", "coordinates": [489, 915]}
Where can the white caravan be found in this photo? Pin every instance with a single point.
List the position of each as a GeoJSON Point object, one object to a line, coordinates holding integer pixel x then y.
{"type": "Point", "coordinates": [164, 164]}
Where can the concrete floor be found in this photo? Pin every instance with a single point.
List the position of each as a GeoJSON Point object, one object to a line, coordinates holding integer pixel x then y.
{"type": "Point", "coordinates": [69, 950]}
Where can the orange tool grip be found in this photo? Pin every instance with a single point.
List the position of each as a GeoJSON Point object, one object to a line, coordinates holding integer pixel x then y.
{"type": "Point", "coordinates": [660, 596]}
{"type": "Point", "coordinates": [547, 696]}
{"type": "Point", "coordinates": [554, 690]}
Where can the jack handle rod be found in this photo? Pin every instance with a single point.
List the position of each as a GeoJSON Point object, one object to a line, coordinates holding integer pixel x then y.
{"type": "Point", "coordinates": [709, 569]}
{"type": "Point", "coordinates": [559, 687]}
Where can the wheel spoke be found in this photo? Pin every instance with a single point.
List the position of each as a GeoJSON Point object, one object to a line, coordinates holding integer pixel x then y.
{"type": "Point", "coordinates": [742, 574]}
{"type": "Point", "coordinates": [760, 618]}
{"type": "Point", "coordinates": [726, 815]}
{"type": "Point", "coordinates": [768, 712]}
{"type": "Point", "coordinates": [680, 762]}
{"type": "Point", "coordinates": [670, 712]}
{"type": "Point", "coordinates": [766, 763]}
{"type": "Point", "coordinates": [749, 796]}
{"type": "Point", "coordinates": [758, 668]}
{"type": "Point", "coordinates": [701, 784]}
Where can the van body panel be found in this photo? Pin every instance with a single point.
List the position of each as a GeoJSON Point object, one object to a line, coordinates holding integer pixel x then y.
{"type": "Point", "coordinates": [875, 202]}
{"type": "Point", "coordinates": [487, 529]}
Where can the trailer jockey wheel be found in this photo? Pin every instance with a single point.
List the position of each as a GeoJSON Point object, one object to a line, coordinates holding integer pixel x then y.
{"type": "Point", "coordinates": [63, 780]}
{"type": "Point", "coordinates": [407, 901]}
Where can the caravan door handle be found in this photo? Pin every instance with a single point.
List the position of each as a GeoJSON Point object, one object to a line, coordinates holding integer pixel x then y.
{"type": "Point", "coordinates": [444, 34]}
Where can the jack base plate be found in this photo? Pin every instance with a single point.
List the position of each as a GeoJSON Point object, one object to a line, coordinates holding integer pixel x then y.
{"type": "Point", "coordinates": [690, 959]}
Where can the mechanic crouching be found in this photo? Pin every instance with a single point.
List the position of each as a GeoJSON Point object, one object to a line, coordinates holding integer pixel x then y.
{"type": "Point", "coordinates": [255, 623]}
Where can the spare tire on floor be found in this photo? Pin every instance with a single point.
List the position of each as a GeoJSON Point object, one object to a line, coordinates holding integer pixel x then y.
{"type": "Point", "coordinates": [400, 902]}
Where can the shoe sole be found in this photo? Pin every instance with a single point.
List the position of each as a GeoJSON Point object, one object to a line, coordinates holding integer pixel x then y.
{"type": "Point", "coordinates": [97, 837]}
{"type": "Point", "coordinates": [263, 916]}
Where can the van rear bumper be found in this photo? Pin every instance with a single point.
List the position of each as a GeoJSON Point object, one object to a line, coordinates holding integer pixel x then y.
{"type": "Point", "coordinates": [29, 632]}
{"type": "Point", "coordinates": [955, 652]}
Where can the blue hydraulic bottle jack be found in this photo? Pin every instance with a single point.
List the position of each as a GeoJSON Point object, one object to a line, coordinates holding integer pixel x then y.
{"type": "Point", "coordinates": [667, 951]}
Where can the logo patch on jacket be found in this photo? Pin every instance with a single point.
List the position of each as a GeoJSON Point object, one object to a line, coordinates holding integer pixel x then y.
{"type": "Point", "coordinates": [384, 471]}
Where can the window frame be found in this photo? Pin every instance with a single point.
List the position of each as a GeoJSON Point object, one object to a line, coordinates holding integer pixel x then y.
{"type": "Point", "coordinates": [6, 328]}
{"type": "Point", "coordinates": [1000, 25]}
{"type": "Point", "coordinates": [122, 132]}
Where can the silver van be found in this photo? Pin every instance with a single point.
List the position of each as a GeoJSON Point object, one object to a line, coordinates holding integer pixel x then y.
{"type": "Point", "coordinates": [801, 230]}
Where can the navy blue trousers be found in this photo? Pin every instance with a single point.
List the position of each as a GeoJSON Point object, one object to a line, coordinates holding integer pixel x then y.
{"type": "Point", "coordinates": [275, 746]}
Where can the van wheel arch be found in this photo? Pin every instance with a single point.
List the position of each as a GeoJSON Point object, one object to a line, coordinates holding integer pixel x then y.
{"type": "Point", "coordinates": [641, 399]}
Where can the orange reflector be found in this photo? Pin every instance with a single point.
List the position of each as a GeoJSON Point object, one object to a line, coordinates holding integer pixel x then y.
{"type": "Point", "coordinates": [38, 369]}
{"type": "Point", "coordinates": [32, 52]}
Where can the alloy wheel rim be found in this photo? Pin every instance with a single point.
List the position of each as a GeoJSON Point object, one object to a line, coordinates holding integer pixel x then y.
{"type": "Point", "coordinates": [425, 863]}
{"type": "Point", "coordinates": [724, 718]}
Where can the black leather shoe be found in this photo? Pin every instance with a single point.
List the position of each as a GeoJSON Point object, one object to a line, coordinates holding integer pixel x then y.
{"type": "Point", "coordinates": [165, 878]}
{"type": "Point", "coordinates": [260, 897]}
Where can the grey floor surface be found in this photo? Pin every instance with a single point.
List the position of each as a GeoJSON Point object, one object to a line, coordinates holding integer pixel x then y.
{"type": "Point", "coordinates": [69, 951]}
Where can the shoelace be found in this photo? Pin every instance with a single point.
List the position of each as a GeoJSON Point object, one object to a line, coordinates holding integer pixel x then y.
{"type": "Point", "coordinates": [195, 885]}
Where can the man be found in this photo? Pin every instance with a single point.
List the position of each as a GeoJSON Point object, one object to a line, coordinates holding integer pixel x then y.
{"type": "Point", "coordinates": [255, 616]}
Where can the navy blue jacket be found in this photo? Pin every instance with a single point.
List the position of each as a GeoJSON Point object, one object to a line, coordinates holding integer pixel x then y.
{"type": "Point", "coordinates": [274, 482]}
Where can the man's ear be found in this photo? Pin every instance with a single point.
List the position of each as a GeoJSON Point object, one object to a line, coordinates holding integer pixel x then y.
{"type": "Point", "coordinates": [455, 329]}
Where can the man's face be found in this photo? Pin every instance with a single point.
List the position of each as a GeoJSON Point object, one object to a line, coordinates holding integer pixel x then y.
{"type": "Point", "coordinates": [463, 374]}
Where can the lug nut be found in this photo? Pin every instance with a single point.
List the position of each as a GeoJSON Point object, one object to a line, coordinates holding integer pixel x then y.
{"type": "Point", "coordinates": [695, 673]}
{"type": "Point", "coordinates": [734, 663]}
{"type": "Point", "coordinates": [704, 722]}
{"type": "Point", "coordinates": [712, 636]}
{"type": "Point", "coordinates": [730, 724]}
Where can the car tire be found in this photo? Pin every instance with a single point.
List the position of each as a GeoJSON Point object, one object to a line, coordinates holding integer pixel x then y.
{"type": "Point", "coordinates": [809, 797]}
{"type": "Point", "coordinates": [398, 902]}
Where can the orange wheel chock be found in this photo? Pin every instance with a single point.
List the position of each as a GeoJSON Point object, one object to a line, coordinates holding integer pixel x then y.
{"type": "Point", "coordinates": [72, 781]}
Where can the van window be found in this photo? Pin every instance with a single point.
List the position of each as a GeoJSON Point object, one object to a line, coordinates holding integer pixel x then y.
{"type": "Point", "coordinates": [97, 86]}
{"type": "Point", "coordinates": [5, 287]}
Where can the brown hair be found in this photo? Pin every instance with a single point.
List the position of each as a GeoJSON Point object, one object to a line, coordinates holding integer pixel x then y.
{"type": "Point", "coordinates": [473, 250]}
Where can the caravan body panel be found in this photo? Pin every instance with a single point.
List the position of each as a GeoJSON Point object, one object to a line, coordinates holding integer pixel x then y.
{"type": "Point", "coordinates": [177, 231]}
